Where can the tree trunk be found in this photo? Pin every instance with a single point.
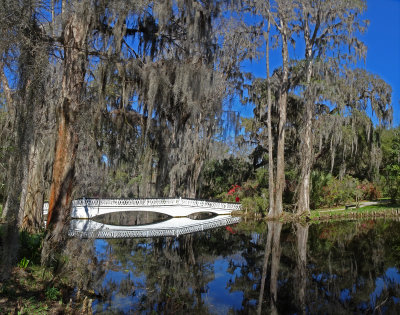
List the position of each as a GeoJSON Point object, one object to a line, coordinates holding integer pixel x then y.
{"type": "Point", "coordinates": [306, 146]}
{"type": "Point", "coordinates": [29, 100]}
{"type": "Point", "coordinates": [24, 185]}
{"type": "Point", "coordinates": [63, 172]}
{"type": "Point", "coordinates": [22, 136]}
{"type": "Point", "coordinates": [14, 187]}
{"type": "Point", "coordinates": [194, 179]}
{"type": "Point", "coordinates": [31, 205]}
{"type": "Point", "coordinates": [271, 183]}
{"type": "Point", "coordinates": [18, 164]}
{"type": "Point", "coordinates": [76, 31]}
{"type": "Point", "coordinates": [282, 103]}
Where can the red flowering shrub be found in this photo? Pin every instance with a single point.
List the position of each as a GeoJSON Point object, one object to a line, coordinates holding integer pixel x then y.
{"type": "Point", "coordinates": [369, 191]}
{"type": "Point", "coordinates": [234, 190]}
{"type": "Point", "coordinates": [233, 194]}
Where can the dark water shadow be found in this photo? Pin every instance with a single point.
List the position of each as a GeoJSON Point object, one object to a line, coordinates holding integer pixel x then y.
{"type": "Point", "coordinates": [131, 218]}
{"type": "Point", "coordinates": [202, 215]}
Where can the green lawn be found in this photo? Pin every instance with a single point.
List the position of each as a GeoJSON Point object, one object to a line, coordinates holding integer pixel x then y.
{"type": "Point", "coordinates": [379, 208]}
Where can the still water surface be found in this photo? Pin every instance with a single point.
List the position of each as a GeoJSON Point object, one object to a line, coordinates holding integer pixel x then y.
{"type": "Point", "coordinates": [252, 267]}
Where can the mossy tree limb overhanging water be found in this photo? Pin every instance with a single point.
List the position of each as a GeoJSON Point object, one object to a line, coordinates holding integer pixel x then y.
{"type": "Point", "coordinates": [169, 109]}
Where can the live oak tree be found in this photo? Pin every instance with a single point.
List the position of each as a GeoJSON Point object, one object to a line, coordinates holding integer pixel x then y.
{"type": "Point", "coordinates": [327, 30]}
{"type": "Point", "coordinates": [153, 68]}
{"type": "Point", "coordinates": [148, 73]}
{"type": "Point", "coordinates": [24, 73]}
{"type": "Point", "coordinates": [279, 14]}
{"type": "Point", "coordinates": [284, 13]}
{"type": "Point", "coordinates": [28, 109]}
{"type": "Point", "coordinates": [330, 35]}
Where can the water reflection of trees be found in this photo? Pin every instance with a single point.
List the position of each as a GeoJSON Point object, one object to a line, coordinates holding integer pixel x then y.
{"type": "Point", "coordinates": [346, 261]}
{"type": "Point", "coordinates": [175, 271]}
{"type": "Point", "coordinates": [285, 269]}
{"type": "Point", "coordinates": [329, 268]}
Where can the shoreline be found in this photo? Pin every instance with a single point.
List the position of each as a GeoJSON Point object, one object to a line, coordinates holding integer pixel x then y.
{"type": "Point", "coordinates": [373, 209]}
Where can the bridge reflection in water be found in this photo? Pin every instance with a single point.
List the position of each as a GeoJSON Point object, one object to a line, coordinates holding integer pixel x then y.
{"type": "Point", "coordinates": [173, 227]}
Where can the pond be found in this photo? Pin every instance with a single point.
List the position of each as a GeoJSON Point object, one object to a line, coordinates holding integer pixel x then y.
{"type": "Point", "coordinates": [248, 268]}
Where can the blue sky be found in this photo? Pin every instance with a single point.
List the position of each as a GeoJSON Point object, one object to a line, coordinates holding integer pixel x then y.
{"type": "Point", "coordinates": [383, 41]}
{"type": "Point", "coordinates": [383, 57]}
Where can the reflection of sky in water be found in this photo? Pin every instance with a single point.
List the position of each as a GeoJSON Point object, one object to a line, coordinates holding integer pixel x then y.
{"type": "Point", "coordinates": [345, 295]}
{"type": "Point", "coordinates": [118, 301]}
{"type": "Point", "coordinates": [390, 279]}
{"type": "Point", "coordinates": [218, 297]}
{"type": "Point", "coordinates": [255, 237]}
{"type": "Point", "coordinates": [224, 295]}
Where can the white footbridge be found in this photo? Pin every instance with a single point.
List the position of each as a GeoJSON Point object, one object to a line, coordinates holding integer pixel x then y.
{"type": "Point", "coordinates": [84, 210]}
{"type": "Point", "coordinates": [174, 207]}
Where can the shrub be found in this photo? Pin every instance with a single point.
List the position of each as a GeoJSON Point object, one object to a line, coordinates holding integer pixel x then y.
{"type": "Point", "coordinates": [392, 175]}
{"type": "Point", "coordinates": [30, 246]}
{"type": "Point", "coordinates": [369, 191]}
{"type": "Point", "coordinates": [318, 191]}
{"type": "Point", "coordinates": [218, 176]}
{"type": "Point", "coordinates": [331, 191]}
{"type": "Point", "coordinates": [23, 263]}
{"type": "Point", "coordinates": [53, 294]}
{"type": "Point", "coordinates": [257, 204]}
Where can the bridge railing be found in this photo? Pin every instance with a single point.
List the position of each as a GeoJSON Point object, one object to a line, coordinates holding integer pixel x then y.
{"type": "Point", "coordinates": [154, 202]}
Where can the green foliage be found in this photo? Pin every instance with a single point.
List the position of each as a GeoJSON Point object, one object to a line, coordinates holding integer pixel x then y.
{"type": "Point", "coordinates": [262, 177]}
{"type": "Point", "coordinates": [341, 191]}
{"type": "Point", "coordinates": [253, 194]}
{"type": "Point", "coordinates": [31, 306]}
{"type": "Point", "coordinates": [392, 172]}
{"type": "Point", "coordinates": [30, 247]}
{"type": "Point", "coordinates": [255, 204]}
{"type": "Point", "coordinates": [328, 190]}
{"type": "Point", "coordinates": [391, 162]}
{"type": "Point", "coordinates": [319, 181]}
{"type": "Point", "coordinates": [53, 294]}
{"type": "Point", "coordinates": [219, 175]}
{"type": "Point", "coordinates": [24, 263]}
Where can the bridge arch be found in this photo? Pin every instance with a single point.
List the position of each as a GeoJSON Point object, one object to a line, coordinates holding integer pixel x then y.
{"type": "Point", "coordinates": [174, 207]}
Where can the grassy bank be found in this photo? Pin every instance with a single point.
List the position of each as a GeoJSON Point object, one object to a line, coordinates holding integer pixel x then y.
{"type": "Point", "coordinates": [34, 289]}
{"type": "Point", "coordinates": [383, 209]}
{"type": "Point", "coordinates": [378, 210]}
